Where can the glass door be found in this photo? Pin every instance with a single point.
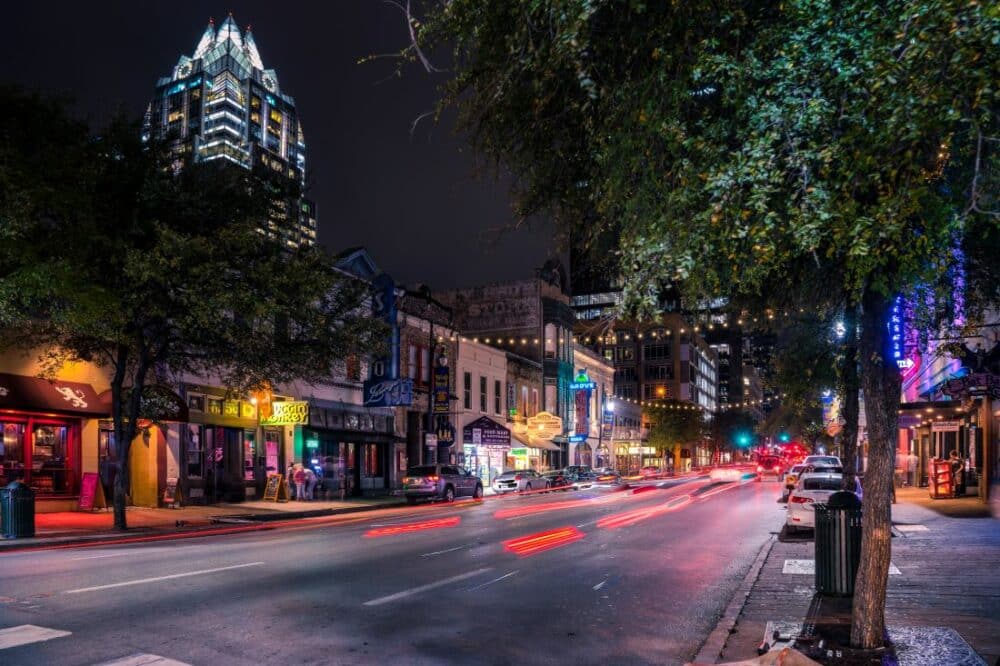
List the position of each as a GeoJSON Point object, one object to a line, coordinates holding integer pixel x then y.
{"type": "Point", "coordinates": [12, 462]}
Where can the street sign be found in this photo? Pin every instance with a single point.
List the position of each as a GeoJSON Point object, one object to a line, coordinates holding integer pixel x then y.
{"type": "Point", "coordinates": [442, 387]}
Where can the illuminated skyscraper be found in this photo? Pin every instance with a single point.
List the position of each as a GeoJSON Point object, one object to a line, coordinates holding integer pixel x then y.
{"type": "Point", "coordinates": [221, 103]}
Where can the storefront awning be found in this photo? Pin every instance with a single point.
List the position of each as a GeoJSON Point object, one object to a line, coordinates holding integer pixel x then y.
{"type": "Point", "coordinates": [543, 444]}
{"type": "Point", "coordinates": [45, 395]}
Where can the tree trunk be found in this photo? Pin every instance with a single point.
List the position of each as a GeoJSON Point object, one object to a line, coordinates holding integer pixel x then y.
{"type": "Point", "coordinates": [850, 386]}
{"type": "Point", "coordinates": [125, 416]}
{"type": "Point", "coordinates": [881, 383]}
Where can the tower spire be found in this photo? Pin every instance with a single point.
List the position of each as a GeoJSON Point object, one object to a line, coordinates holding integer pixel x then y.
{"type": "Point", "coordinates": [206, 41]}
{"type": "Point", "coordinates": [251, 48]}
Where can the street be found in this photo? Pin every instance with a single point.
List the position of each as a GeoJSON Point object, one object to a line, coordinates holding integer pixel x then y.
{"type": "Point", "coordinates": [593, 576]}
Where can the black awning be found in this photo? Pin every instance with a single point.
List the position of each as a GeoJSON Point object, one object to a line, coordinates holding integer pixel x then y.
{"type": "Point", "coordinates": [49, 395]}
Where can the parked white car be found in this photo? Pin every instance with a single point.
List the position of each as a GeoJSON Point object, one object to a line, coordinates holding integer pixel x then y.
{"type": "Point", "coordinates": [823, 461]}
{"type": "Point", "coordinates": [520, 480]}
{"type": "Point", "coordinates": [812, 488]}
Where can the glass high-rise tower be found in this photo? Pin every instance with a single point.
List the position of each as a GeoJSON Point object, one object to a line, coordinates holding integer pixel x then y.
{"type": "Point", "coordinates": [221, 103]}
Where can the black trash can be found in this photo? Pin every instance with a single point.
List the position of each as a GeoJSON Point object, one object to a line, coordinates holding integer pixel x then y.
{"type": "Point", "coordinates": [17, 511]}
{"type": "Point", "coordinates": [838, 544]}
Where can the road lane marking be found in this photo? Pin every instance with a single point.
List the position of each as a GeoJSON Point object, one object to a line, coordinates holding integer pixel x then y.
{"type": "Point", "coordinates": [424, 588]}
{"type": "Point", "coordinates": [97, 557]}
{"type": "Point", "coordinates": [26, 634]}
{"type": "Point", "coordinates": [141, 581]}
{"type": "Point", "coordinates": [446, 550]}
{"type": "Point", "coordinates": [144, 659]}
{"type": "Point", "coordinates": [600, 585]}
{"type": "Point", "coordinates": [490, 582]}
{"type": "Point", "coordinates": [808, 567]}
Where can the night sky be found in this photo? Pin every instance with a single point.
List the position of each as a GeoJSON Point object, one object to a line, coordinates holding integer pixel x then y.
{"type": "Point", "coordinates": [414, 202]}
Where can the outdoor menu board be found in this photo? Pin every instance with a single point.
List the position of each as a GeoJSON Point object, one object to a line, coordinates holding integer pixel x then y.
{"type": "Point", "coordinates": [272, 487]}
{"type": "Point", "coordinates": [91, 493]}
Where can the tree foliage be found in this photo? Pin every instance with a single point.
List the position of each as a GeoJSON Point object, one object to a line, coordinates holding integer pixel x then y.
{"type": "Point", "coordinates": [109, 256]}
{"type": "Point", "coordinates": [728, 144]}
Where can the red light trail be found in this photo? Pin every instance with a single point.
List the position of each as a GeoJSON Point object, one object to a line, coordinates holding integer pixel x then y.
{"type": "Point", "coordinates": [542, 541]}
{"type": "Point", "coordinates": [438, 523]}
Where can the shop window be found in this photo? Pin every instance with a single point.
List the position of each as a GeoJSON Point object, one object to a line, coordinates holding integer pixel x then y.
{"type": "Point", "coordinates": [373, 461]}
{"type": "Point", "coordinates": [467, 390]}
{"type": "Point", "coordinates": [196, 403]}
{"type": "Point", "coordinates": [249, 454]}
{"type": "Point", "coordinates": [195, 452]}
{"type": "Point", "coordinates": [50, 466]}
{"type": "Point", "coordinates": [12, 452]}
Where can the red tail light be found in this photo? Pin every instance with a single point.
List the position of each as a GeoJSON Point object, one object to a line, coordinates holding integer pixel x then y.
{"type": "Point", "coordinates": [798, 499]}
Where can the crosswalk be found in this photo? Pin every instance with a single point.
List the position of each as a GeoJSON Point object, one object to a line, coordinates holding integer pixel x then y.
{"type": "Point", "coordinates": [26, 634]}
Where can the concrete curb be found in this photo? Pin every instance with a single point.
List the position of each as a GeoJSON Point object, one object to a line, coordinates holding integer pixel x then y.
{"type": "Point", "coordinates": [711, 649]}
{"type": "Point", "coordinates": [224, 524]}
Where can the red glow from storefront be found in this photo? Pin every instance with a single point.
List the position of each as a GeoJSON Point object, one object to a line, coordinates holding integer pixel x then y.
{"type": "Point", "coordinates": [542, 541]}
{"type": "Point", "coordinates": [438, 523]}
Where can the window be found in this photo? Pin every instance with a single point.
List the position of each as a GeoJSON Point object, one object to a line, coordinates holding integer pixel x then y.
{"type": "Point", "coordinates": [353, 368]}
{"type": "Point", "coordinates": [425, 365]}
{"type": "Point", "coordinates": [657, 352]}
{"type": "Point", "coordinates": [411, 368]}
{"type": "Point", "coordinates": [195, 452]}
{"type": "Point", "coordinates": [372, 461]}
{"type": "Point", "coordinates": [659, 372]}
{"type": "Point", "coordinates": [249, 454]}
{"type": "Point", "coordinates": [496, 396]}
{"type": "Point", "coordinates": [482, 394]}
{"type": "Point", "coordinates": [534, 401]}
{"type": "Point", "coordinates": [467, 390]}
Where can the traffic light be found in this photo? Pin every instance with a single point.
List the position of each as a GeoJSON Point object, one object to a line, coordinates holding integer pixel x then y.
{"type": "Point", "coordinates": [784, 437]}
{"type": "Point", "coordinates": [743, 439]}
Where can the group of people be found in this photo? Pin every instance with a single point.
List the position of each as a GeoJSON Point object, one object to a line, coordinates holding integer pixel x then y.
{"type": "Point", "coordinates": [301, 482]}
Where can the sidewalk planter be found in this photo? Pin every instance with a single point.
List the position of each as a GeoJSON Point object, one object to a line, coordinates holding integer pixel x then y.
{"type": "Point", "coordinates": [17, 511]}
{"type": "Point", "coordinates": [838, 544]}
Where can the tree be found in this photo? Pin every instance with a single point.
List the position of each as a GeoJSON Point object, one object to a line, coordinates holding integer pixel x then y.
{"type": "Point", "coordinates": [108, 256]}
{"type": "Point", "coordinates": [728, 143]}
{"type": "Point", "coordinates": [673, 426]}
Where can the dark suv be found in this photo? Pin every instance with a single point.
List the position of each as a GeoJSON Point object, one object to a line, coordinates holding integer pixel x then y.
{"type": "Point", "coordinates": [445, 482]}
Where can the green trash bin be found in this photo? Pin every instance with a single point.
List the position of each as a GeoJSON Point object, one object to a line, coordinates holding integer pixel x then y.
{"type": "Point", "coordinates": [838, 544]}
{"type": "Point", "coordinates": [17, 511]}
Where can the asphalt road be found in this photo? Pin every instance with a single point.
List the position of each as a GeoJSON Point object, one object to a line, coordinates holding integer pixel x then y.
{"type": "Point", "coordinates": [598, 577]}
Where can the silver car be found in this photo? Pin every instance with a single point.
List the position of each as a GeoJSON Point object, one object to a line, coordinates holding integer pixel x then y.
{"type": "Point", "coordinates": [519, 480]}
{"type": "Point", "coordinates": [444, 482]}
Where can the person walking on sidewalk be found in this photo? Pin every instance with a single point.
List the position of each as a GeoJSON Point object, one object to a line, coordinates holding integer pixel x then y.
{"type": "Point", "coordinates": [290, 481]}
{"type": "Point", "coordinates": [310, 481]}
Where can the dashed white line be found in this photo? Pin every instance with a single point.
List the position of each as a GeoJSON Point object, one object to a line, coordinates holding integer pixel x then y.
{"type": "Point", "coordinates": [159, 578]}
{"type": "Point", "coordinates": [600, 585]}
{"type": "Point", "coordinates": [26, 634]}
{"type": "Point", "coordinates": [424, 588]}
{"type": "Point", "coordinates": [442, 552]}
{"type": "Point", "coordinates": [98, 557]}
{"type": "Point", "coordinates": [490, 582]}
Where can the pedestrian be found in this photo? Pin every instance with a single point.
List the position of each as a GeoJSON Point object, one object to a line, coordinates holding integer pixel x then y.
{"type": "Point", "coordinates": [299, 475]}
{"type": "Point", "coordinates": [310, 479]}
{"type": "Point", "coordinates": [957, 467]}
{"type": "Point", "coordinates": [290, 480]}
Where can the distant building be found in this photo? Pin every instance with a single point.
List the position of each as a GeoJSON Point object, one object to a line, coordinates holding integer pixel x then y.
{"type": "Point", "coordinates": [221, 103]}
{"type": "Point", "coordinates": [532, 319]}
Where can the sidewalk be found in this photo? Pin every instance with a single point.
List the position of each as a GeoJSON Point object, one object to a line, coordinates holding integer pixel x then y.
{"type": "Point", "coordinates": [948, 576]}
{"type": "Point", "coordinates": [80, 527]}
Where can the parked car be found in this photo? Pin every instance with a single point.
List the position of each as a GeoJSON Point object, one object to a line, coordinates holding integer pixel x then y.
{"type": "Point", "coordinates": [520, 480]}
{"type": "Point", "coordinates": [792, 477]}
{"type": "Point", "coordinates": [650, 470]}
{"type": "Point", "coordinates": [823, 461]}
{"type": "Point", "coordinates": [557, 480]}
{"type": "Point", "coordinates": [812, 488]}
{"type": "Point", "coordinates": [573, 470]}
{"type": "Point", "coordinates": [769, 466]}
{"type": "Point", "coordinates": [605, 470]}
{"type": "Point", "coordinates": [444, 482]}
